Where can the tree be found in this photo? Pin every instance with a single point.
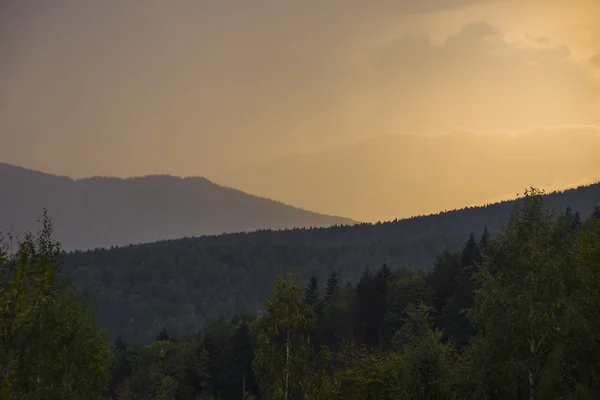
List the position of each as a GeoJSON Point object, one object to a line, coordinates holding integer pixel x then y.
{"type": "Point", "coordinates": [333, 287]}
{"type": "Point", "coordinates": [482, 246]}
{"type": "Point", "coordinates": [409, 288]}
{"type": "Point", "coordinates": [311, 294]}
{"type": "Point", "coordinates": [63, 354]}
{"type": "Point", "coordinates": [168, 370]}
{"type": "Point", "coordinates": [49, 343]}
{"type": "Point", "coordinates": [243, 359]}
{"type": "Point", "coordinates": [218, 343]}
{"type": "Point", "coordinates": [447, 267]}
{"type": "Point", "coordinates": [27, 279]}
{"type": "Point", "coordinates": [163, 335]}
{"type": "Point", "coordinates": [576, 223]}
{"type": "Point", "coordinates": [283, 353]}
{"type": "Point", "coordinates": [596, 213]}
{"type": "Point", "coordinates": [359, 375]}
{"type": "Point", "coordinates": [380, 303]}
{"type": "Point", "coordinates": [365, 333]}
{"type": "Point", "coordinates": [122, 367]}
{"type": "Point", "coordinates": [469, 252]}
{"type": "Point", "coordinates": [371, 301]}
{"type": "Point", "coordinates": [425, 369]}
{"type": "Point", "coordinates": [312, 299]}
{"type": "Point", "coordinates": [531, 309]}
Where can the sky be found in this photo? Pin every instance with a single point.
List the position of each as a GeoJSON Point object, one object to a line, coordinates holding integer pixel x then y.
{"type": "Point", "coordinates": [190, 87]}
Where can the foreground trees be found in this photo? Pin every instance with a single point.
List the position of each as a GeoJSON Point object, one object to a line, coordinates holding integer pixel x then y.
{"type": "Point", "coordinates": [536, 310]}
{"type": "Point", "coordinates": [286, 365]}
{"type": "Point", "coordinates": [50, 347]}
{"type": "Point", "coordinates": [513, 315]}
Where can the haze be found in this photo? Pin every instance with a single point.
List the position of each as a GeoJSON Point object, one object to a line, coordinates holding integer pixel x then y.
{"type": "Point", "coordinates": [206, 88]}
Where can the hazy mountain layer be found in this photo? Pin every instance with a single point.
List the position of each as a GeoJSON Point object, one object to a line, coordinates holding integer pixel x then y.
{"type": "Point", "coordinates": [99, 212]}
{"type": "Point", "coordinates": [401, 176]}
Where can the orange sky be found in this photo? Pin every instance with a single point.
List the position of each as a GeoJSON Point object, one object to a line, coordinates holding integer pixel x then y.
{"type": "Point", "coordinates": [203, 87]}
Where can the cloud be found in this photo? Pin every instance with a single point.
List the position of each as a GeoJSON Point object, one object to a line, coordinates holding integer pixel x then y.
{"type": "Point", "coordinates": [144, 86]}
{"type": "Point", "coordinates": [478, 79]}
{"type": "Point", "coordinates": [427, 6]}
{"type": "Point", "coordinates": [402, 175]}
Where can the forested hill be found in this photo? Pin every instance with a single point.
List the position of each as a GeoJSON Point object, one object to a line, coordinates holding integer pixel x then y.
{"type": "Point", "coordinates": [184, 284]}
{"type": "Point", "coordinates": [100, 212]}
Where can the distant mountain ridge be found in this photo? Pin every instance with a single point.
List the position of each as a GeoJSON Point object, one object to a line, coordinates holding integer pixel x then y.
{"type": "Point", "coordinates": [105, 211]}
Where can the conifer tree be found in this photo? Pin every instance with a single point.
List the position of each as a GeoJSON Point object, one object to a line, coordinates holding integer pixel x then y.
{"type": "Point", "coordinates": [596, 213]}
{"type": "Point", "coordinates": [469, 252]}
{"type": "Point", "coordinates": [333, 287]}
{"type": "Point", "coordinates": [243, 358]}
{"type": "Point", "coordinates": [163, 335]}
{"type": "Point", "coordinates": [311, 293]}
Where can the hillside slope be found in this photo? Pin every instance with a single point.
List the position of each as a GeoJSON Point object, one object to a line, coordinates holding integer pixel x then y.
{"type": "Point", "coordinates": [98, 212]}
{"type": "Point", "coordinates": [186, 283]}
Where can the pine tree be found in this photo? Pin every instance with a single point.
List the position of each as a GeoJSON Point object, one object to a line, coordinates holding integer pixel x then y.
{"type": "Point", "coordinates": [596, 213]}
{"type": "Point", "coordinates": [163, 335]}
{"type": "Point", "coordinates": [469, 252]}
{"type": "Point", "coordinates": [333, 287]}
{"type": "Point", "coordinates": [122, 366]}
{"type": "Point", "coordinates": [386, 273]}
{"type": "Point", "coordinates": [243, 358]}
{"type": "Point", "coordinates": [120, 344]}
{"type": "Point", "coordinates": [482, 246]}
{"type": "Point", "coordinates": [311, 293]}
{"type": "Point", "coordinates": [576, 224]}
{"type": "Point", "coordinates": [366, 332]}
{"type": "Point", "coordinates": [379, 304]}
{"type": "Point", "coordinates": [572, 219]}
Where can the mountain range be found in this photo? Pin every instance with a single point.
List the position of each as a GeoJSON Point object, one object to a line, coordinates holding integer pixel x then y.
{"type": "Point", "coordinates": [104, 212]}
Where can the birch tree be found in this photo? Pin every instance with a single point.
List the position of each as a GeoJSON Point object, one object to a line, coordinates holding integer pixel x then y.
{"type": "Point", "coordinates": [283, 355]}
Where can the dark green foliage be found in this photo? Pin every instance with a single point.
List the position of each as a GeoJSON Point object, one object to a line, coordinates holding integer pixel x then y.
{"type": "Point", "coordinates": [185, 284]}
{"type": "Point", "coordinates": [242, 375]}
{"type": "Point", "coordinates": [534, 310]}
{"type": "Point", "coordinates": [365, 332]}
{"type": "Point", "coordinates": [532, 295]}
{"type": "Point", "coordinates": [50, 346]}
{"type": "Point", "coordinates": [596, 213]}
{"type": "Point", "coordinates": [311, 293]}
{"type": "Point", "coordinates": [514, 315]}
{"type": "Point", "coordinates": [217, 343]}
{"type": "Point", "coordinates": [453, 285]}
{"type": "Point", "coordinates": [333, 287]}
{"type": "Point", "coordinates": [482, 246]}
{"type": "Point", "coordinates": [469, 252]}
{"type": "Point", "coordinates": [163, 335]}
{"type": "Point", "coordinates": [410, 287]}
{"type": "Point", "coordinates": [122, 367]}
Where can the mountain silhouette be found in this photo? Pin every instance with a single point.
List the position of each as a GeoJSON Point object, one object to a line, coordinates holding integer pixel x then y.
{"type": "Point", "coordinates": [102, 212]}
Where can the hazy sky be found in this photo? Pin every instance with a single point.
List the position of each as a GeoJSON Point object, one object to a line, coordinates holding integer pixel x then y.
{"type": "Point", "coordinates": [193, 87]}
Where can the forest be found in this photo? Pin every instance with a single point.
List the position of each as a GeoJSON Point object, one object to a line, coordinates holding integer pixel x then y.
{"type": "Point", "coordinates": [508, 315]}
{"type": "Point", "coordinates": [185, 284]}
